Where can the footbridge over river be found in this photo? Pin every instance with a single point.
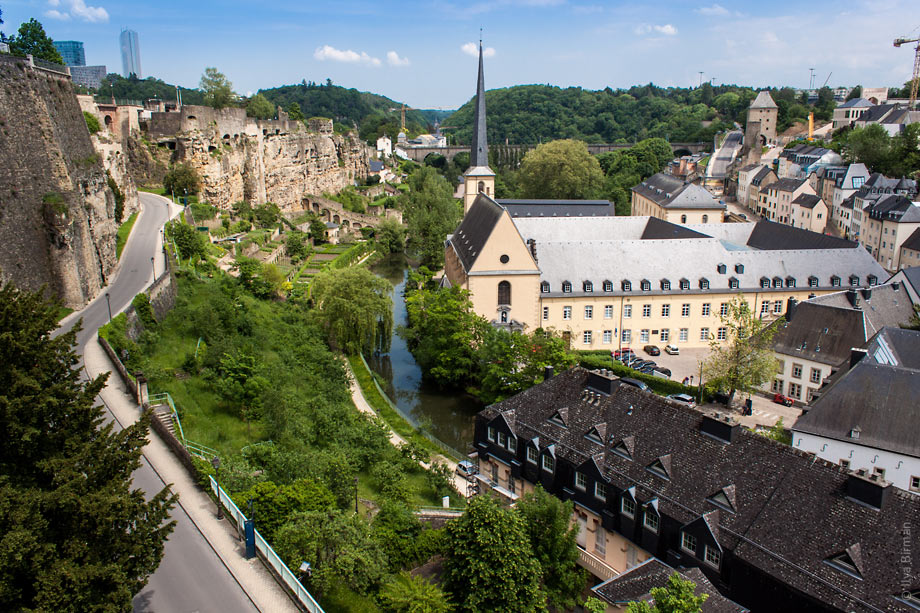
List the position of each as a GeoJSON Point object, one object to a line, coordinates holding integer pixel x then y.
{"type": "Point", "coordinates": [418, 154]}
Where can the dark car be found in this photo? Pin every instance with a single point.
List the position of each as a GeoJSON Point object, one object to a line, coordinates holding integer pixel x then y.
{"type": "Point", "coordinates": [632, 360]}
{"type": "Point", "coordinates": [648, 367]}
{"type": "Point", "coordinates": [634, 382]}
{"type": "Point", "coordinates": [664, 371]}
{"type": "Point", "coordinates": [784, 400]}
{"type": "Point", "coordinates": [641, 364]}
{"type": "Point", "coordinates": [651, 350]}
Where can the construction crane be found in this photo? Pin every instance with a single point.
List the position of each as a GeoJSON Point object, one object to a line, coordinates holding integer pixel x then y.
{"type": "Point", "coordinates": [916, 78]}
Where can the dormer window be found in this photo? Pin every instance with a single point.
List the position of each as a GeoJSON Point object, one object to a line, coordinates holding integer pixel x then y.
{"type": "Point", "coordinates": [739, 269]}
{"type": "Point", "coordinates": [587, 286]}
{"type": "Point", "coordinates": [544, 287]}
{"type": "Point", "coordinates": [533, 454]}
{"type": "Point", "coordinates": [835, 281]}
{"type": "Point", "coordinates": [549, 463]}
{"type": "Point", "coordinates": [704, 283]}
{"type": "Point", "coordinates": [559, 417]}
{"type": "Point", "coordinates": [812, 281]}
{"type": "Point", "coordinates": [765, 282]}
{"type": "Point", "coordinates": [688, 542]}
{"type": "Point", "coordinates": [854, 433]}
{"type": "Point", "coordinates": [646, 285]}
{"type": "Point", "coordinates": [872, 280]}
{"type": "Point", "coordinates": [713, 556]}
{"type": "Point", "coordinates": [608, 286]}
{"type": "Point", "coordinates": [848, 561]}
{"type": "Point", "coordinates": [627, 286]}
{"type": "Point", "coordinates": [777, 282]}
{"type": "Point", "coordinates": [722, 268]}
{"type": "Point", "coordinates": [684, 284]}
{"type": "Point", "coordinates": [854, 280]}
{"type": "Point", "coordinates": [733, 283]}
{"type": "Point", "coordinates": [724, 498]}
{"type": "Point", "coordinates": [651, 519]}
{"type": "Point", "coordinates": [624, 448]}
{"type": "Point", "coordinates": [665, 285]}
{"type": "Point", "coordinates": [628, 506]}
{"type": "Point", "coordinates": [600, 490]}
{"type": "Point", "coordinates": [594, 436]}
{"type": "Point", "coordinates": [661, 467]}
{"type": "Point", "coordinates": [566, 287]}
{"type": "Point", "coordinates": [790, 281]}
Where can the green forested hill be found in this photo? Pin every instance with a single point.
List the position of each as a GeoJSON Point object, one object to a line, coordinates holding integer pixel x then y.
{"type": "Point", "coordinates": [527, 114]}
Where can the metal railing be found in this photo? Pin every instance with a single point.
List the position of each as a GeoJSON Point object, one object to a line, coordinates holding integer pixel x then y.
{"type": "Point", "coordinates": [594, 564]}
{"type": "Point", "coordinates": [303, 596]}
{"type": "Point", "coordinates": [196, 449]}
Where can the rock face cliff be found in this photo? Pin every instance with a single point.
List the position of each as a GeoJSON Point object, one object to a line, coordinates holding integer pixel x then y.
{"type": "Point", "coordinates": [239, 158]}
{"type": "Point", "coordinates": [57, 225]}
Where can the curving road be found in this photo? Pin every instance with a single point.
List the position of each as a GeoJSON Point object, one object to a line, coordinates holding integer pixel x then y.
{"type": "Point", "coordinates": [191, 576]}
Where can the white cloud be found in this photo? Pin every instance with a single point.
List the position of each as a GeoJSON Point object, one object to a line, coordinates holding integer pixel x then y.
{"type": "Point", "coordinates": [348, 56]}
{"type": "Point", "coordinates": [77, 9]}
{"type": "Point", "coordinates": [393, 59]}
{"type": "Point", "coordinates": [716, 10]}
{"type": "Point", "coordinates": [473, 50]}
{"type": "Point", "coordinates": [644, 28]}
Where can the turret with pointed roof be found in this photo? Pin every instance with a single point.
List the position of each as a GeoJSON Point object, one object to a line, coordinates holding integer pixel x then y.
{"type": "Point", "coordinates": [479, 177]}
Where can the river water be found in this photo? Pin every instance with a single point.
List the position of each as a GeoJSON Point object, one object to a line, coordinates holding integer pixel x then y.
{"type": "Point", "coordinates": [446, 415]}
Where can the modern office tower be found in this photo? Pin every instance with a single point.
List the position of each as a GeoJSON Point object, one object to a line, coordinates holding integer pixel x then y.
{"type": "Point", "coordinates": [71, 51]}
{"type": "Point", "coordinates": [130, 54]}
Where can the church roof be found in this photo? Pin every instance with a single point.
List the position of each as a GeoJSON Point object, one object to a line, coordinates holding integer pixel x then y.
{"type": "Point", "coordinates": [763, 101]}
{"type": "Point", "coordinates": [475, 229]}
{"type": "Point", "coordinates": [557, 208]}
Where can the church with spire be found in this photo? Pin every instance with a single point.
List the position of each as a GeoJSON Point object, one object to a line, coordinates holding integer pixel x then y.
{"type": "Point", "coordinates": [479, 178]}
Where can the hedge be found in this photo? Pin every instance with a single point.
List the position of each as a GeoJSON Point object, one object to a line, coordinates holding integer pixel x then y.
{"type": "Point", "coordinates": [665, 387]}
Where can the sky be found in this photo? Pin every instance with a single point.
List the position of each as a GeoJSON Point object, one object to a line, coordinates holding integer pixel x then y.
{"type": "Point", "coordinates": [423, 53]}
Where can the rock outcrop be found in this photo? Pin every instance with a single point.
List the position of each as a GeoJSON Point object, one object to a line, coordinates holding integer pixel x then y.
{"type": "Point", "coordinates": [239, 158]}
{"type": "Point", "coordinates": [57, 226]}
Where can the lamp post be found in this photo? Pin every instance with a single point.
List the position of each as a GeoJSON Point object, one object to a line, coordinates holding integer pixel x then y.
{"type": "Point", "coordinates": [356, 495]}
{"type": "Point", "coordinates": [154, 266]}
{"type": "Point", "coordinates": [215, 462]}
{"type": "Point", "coordinates": [108, 303]}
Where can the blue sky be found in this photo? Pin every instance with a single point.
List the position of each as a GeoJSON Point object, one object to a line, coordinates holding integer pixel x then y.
{"type": "Point", "coordinates": [416, 52]}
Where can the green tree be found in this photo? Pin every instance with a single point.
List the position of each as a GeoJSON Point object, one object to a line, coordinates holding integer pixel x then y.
{"type": "Point", "coordinates": [431, 213]}
{"type": "Point", "coordinates": [678, 596]}
{"type": "Point", "coordinates": [744, 361]}
{"type": "Point", "coordinates": [218, 91]}
{"type": "Point", "coordinates": [33, 41]}
{"type": "Point", "coordinates": [180, 180]}
{"type": "Point", "coordinates": [855, 93]}
{"type": "Point", "coordinates": [273, 505]}
{"type": "Point", "coordinates": [778, 433]}
{"type": "Point", "coordinates": [560, 169]}
{"type": "Point", "coordinates": [547, 520]}
{"type": "Point", "coordinates": [240, 382]}
{"type": "Point", "coordinates": [405, 593]}
{"type": "Point", "coordinates": [595, 605]}
{"type": "Point", "coordinates": [189, 241]}
{"type": "Point", "coordinates": [870, 145]}
{"type": "Point", "coordinates": [92, 124]}
{"type": "Point", "coordinates": [259, 107]}
{"type": "Point", "coordinates": [317, 231]}
{"type": "Point", "coordinates": [266, 214]}
{"type": "Point", "coordinates": [355, 309]}
{"type": "Point", "coordinates": [76, 535]}
{"type": "Point", "coordinates": [391, 236]}
{"type": "Point", "coordinates": [294, 112]}
{"type": "Point", "coordinates": [295, 244]}
{"type": "Point", "coordinates": [490, 565]}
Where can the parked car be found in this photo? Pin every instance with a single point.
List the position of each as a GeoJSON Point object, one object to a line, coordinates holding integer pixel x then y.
{"type": "Point", "coordinates": [632, 360]}
{"type": "Point", "coordinates": [626, 358]}
{"type": "Point", "coordinates": [784, 400]}
{"type": "Point", "coordinates": [664, 371]}
{"type": "Point", "coordinates": [651, 350]}
{"type": "Point", "coordinates": [617, 354]}
{"type": "Point", "coordinates": [640, 364]}
{"type": "Point", "coordinates": [671, 350]}
{"type": "Point", "coordinates": [466, 469]}
{"type": "Point", "coordinates": [634, 382]}
{"type": "Point", "coordinates": [686, 399]}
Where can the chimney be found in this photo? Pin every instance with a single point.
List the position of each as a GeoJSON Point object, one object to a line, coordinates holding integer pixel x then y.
{"type": "Point", "coordinates": [867, 293]}
{"type": "Point", "coordinates": [599, 381]}
{"type": "Point", "coordinates": [790, 308]}
{"type": "Point", "coordinates": [547, 373]}
{"type": "Point", "coordinates": [856, 354]}
{"type": "Point", "coordinates": [870, 490]}
{"type": "Point", "coordinates": [533, 248]}
{"type": "Point", "coordinates": [720, 427]}
{"type": "Point", "coordinates": [853, 298]}
{"type": "Point", "coordinates": [896, 286]}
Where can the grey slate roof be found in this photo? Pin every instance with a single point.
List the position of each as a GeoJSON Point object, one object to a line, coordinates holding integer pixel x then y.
{"type": "Point", "coordinates": [787, 184]}
{"type": "Point", "coordinates": [791, 511]}
{"type": "Point", "coordinates": [913, 241]}
{"type": "Point", "coordinates": [895, 347]}
{"type": "Point", "coordinates": [375, 165]}
{"type": "Point", "coordinates": [671, 193]}
{"type": "Point", "coordinates": [806, 201]}
{"type": "Point", "coordinates": [882, 306]}
{"type": "Point", "coordinates": [762, 174]}
{"type": "Point", "coordinates": [475, 229]}
{"type": "Point", "coordinates": [769, 235]}
{"type": "Point", "coordinates": [894, 207]}
{"type": "Point", "coordinates": [763, 101]}
{"type": "Point", "coordinates": [557, 208]}
{"type": "Point", "coordinates": [637, 583]}
{"type": "Point", "coordinates": [661, 229]}
{"type": "Point", "coordinates": [479, 151]}
{"type": "Point", "coordinates": [820, 333]}
{"type": "Point", "coordinates": [855, 103]}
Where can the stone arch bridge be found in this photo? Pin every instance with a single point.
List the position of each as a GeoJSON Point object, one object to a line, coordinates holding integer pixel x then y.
{"type": "Point", "coordinates": [335, 212]}
{"type": "Point", "coordinates": [418, 154]}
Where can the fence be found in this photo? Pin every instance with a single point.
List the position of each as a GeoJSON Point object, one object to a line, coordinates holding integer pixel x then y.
{"type": "Point", "coordinates": [447, 449]}
{"type": "Point", "coordinates": [268, 554]}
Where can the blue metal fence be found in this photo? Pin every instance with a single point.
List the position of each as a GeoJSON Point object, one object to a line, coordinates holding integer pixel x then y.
{"type": "Point", "coordinates": [268, 554]}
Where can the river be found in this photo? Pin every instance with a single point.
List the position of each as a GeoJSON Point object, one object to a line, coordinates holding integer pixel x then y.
{"type": "Point", "coordinates": [446, 415]}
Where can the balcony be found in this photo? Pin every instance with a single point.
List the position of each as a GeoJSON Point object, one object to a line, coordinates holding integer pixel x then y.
{"type": "Point", "coordinates": [595, 565]}
{"type": "Point", "coordinates": [487, 482]}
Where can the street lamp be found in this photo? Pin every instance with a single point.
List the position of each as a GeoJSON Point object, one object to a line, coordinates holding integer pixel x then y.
{"type": "Point", "coordinates": [215, 462]}
{"type": "Point", "coordinates": [356, 495]}
{"type": "Point", "coordinates": [108, 303]}
{"type": "Point", "coordinates": [154, 266]}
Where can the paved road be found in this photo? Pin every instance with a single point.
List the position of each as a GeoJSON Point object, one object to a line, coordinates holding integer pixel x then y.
{"type": "Point", "coordinates": [191, 576]}
{"type": "Point", "coordinates": [723, 157]}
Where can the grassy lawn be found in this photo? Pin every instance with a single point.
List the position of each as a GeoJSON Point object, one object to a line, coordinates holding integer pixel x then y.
{"type": "Point", "coordinates": [63, 312]}
{"type": "Point", "coordinates": [124, 231]}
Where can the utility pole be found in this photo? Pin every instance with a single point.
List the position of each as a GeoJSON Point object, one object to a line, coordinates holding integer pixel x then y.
{"type": "Point", "coordinates": [811, 78]}
{"type": "Point", "coordinates": [701, 79]}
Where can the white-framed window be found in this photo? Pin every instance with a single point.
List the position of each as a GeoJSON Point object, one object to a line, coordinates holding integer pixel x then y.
{"type": "Point", "coordinates": [683, 335]}
{"type": "Point", "coordinates": [722, 333]}
{"type": "Point", "coordinates": [549, 463]}
{"type": "Point", "coordinates": [795, 390]}
{"type": "Point", "coordinates": [685, 310]}
{"type": "Point", "coordinates": [777, 306]}
{"type": "Point", "coordinates": [713, 557]}
{"type": "Point", "coordinates": [707, 309]}
{"type": "Point", "coordinates": [566, 312]}
{"type": "Point", "coordinates": [627, 286]}
{"type": "Point", "coordinates": [502, 439]}
{"type": "Point", "coordinates": [588, 286]}
{"type": "Point", "coordinates": [566, 287]}
{"type": "Point", "coordinates": [765, 307]}
{"type": "Point", "coordinates": [628, 506]}
{"type": "Point", "coordinates": [914, 483]}
{"type": "Point", "coordinates": [704, 283]}
{"type": "Point", "coordinates": [600, 540]}
{"type": "Point", "coordinates": [491, 434]}
{"type": "Point", "coordinates": [512, 443]}
{"type": "Point", "coordinates": [589, 312]}
{"type": "Point", "coordinates": [646, 310]}
{"type": "Point", "coordinates": [723, 309]}
{"type": "Point", "coordinates": [704, 334]}
{"type": "Point", "coordinates": [646, 286]}
{"type": "Point", "coordinates": [607, 337]}
{"type": "Point", "coordinates": [651, 520]}
{"type": "Point", "coordinates": [688, 542]}
{"type": "Point", "coordinates": [581, 481]}
{"type": "Point", "coordinates": [627, 311]}
{"type": "Point", "coordinates": [627, 336]}
{"type": "Point", "coordinates": [608, 311]}
{"type": "Point", "coordinates": [586, 337]}
{"type": "Point", "coordinates": [777, 386]}
{"type": "Point", "coordinates": [600, 490]}
{"type": "Point", "coordinates": [665, 335]}
{"type": "Point", "coordinates": [643, 335]}
{"type": "Point", "coordinates": [544, 288]}
{"type": "Point", "coordinates": [608, 286]}
{"type": "Point", "coordinates": [545, 313]}
{"type": "Point", "coordinates": [796, 371]}
{"type": "Point", "coordinates": [666, 310]}
{"type": "Point", "coordinates": [532, 455]}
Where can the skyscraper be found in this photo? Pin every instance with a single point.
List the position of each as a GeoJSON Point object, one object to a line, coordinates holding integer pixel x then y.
{"type": "Point", "coordinates": [130, 54]}
{"type": "Point", "coordinates": [71, 51]}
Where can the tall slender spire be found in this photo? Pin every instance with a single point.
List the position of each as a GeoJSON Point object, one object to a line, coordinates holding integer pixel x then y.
{"type": "Point", "coordinates": [479, 152]}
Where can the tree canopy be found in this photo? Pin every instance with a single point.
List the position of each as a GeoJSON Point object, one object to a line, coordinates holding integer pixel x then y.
{"type": "Point", "coordinates": [561, 169]}
{"type": "Point", "coordinates": [431, 212]}
{"type": "Point", "coordinates": [218, 90]}
{"type": "Point", "coordinates": [259, 107]}
{"type": "Point", "coordinates": [32, 40]}
{"type": "Point", "coordinates": [77, 535]}
{"type": "Point", "coordinates": [355, 308]}
{"type": "Point", "coordinates": [181, 180]}
{"type": "Point", "coordinates": [677, 596]}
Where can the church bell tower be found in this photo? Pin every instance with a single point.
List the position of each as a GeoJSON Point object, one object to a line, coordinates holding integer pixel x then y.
{"type": "Point", "coordinates": [479, 178]}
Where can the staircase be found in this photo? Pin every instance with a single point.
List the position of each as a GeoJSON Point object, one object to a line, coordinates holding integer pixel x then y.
{"type": "Point", "coordinates": [163, 414]}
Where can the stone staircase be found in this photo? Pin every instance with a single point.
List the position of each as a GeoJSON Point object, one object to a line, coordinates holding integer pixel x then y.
{"type": "Point", "coordinates": [163, 414]}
